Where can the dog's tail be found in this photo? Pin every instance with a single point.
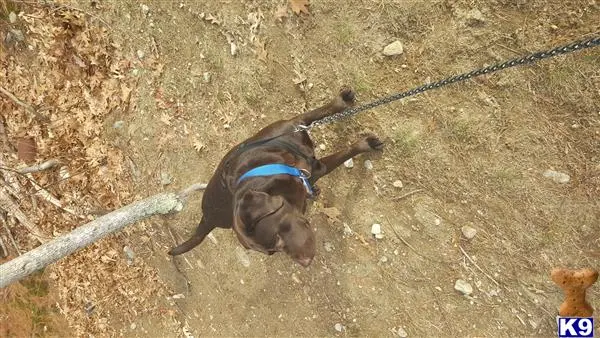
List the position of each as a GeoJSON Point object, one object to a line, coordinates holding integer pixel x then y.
{"type": "Point", "coordinates": [201, 231]}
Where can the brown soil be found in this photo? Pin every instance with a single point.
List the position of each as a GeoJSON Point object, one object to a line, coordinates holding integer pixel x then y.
{"type": "Point", "coordinates": [476, 152]}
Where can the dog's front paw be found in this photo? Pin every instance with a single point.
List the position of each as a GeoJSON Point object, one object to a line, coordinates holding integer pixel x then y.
{"type": "Point", "coordinates": [374, 142]}
{"type": "Point", "coordinates": [348, 95]}
{"type": "Point", "coordinates": [370, 143]}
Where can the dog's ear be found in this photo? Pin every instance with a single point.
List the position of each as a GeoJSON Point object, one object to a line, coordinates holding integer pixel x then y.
{"type": "Point", "coordinates": [256, 205]}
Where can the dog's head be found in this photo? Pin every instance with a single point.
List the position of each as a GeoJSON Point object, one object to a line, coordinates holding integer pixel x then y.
{"type": "Point", "coordinates": [270, 224]}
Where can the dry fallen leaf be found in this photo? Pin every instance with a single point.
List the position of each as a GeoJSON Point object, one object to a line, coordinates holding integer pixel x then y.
{"type": "Point", "coordinates": [166, 119]}
{"type": "Point", "coordinates": [26, 149]}
{"type": "Point", "coordinates": [299, 6]}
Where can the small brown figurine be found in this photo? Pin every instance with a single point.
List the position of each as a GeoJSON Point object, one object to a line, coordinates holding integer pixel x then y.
{"type": "Point", "coordinates": [574, 284]}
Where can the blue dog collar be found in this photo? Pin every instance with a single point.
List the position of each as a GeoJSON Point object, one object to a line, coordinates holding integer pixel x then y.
{"type": "Point", "coordinates": [279, 169]}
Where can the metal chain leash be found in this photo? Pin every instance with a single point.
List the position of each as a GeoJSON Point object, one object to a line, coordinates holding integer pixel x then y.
{"type": "Point", "coordinates": [572, 47]}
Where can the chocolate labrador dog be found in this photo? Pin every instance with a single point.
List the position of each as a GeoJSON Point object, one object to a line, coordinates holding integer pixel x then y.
{"type": "Point", "coordinates": [261, 186]}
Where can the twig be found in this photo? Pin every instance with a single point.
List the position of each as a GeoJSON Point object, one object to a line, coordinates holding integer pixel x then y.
{"type": "Point", "coordinates": [410, 246]}
{"type": "Point", "coordinates": [192, 188]}
{"type": "Point", "coordinates": [27, 107]}
{"type": "Point", "coordinates": [48, 197]}
{"type": "Point", "coordinates": [10, 236]}
{"type": "Point", "coordinates": [3, 248]}
{"type": "Point", "coordinates": [8, 205]}
{"type": "Point", "coordinates": [39, 167]}
{"type": "Point", "coordinates": [407, 195]}
{"type": "Point", "coordinates": [477, 266]}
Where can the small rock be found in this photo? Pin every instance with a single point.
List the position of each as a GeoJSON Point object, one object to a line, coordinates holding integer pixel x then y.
{"type": "Point", "coordinates": [296, 279]}
{"type": "Point", "coordinates": [12, 17]}
{"type": "Point", "coordinates": [242, 256]}
{"type": "Point", "coordinates": [376, 231]}
{"type": "Point", "coordinates": [475, 16]}
{"type": "Point", "coordinates": [145, 9]}
{"type": "Point", "coordinates": [557, 177]}
{"type": "Point", "coordinates": [463, 287]}
{"type": "Point", "coordinates": [14, 35]}
{"type": "Point", "coordinates": [394, 48]}
{"type": "Point", "coordinates": [468, 232]}
{"type": "Point", "coordinates": [132, 326]}
{"type": "Point", "coordinates": [383, 259]}
{"type": "Point", "coordinates": [322, 146]}
{"type": "Point", "coordinates": [129, 254]}
{"type": "Point", "coordinates": [234, 49]}
{"type": "Point", "coordinates": [402, 333]}
{"type": "Point", "coordinates": [118, 124]}
{"type": "Point", "coordinates": [369, 165]}
{"type": "Point", "coordinates": [349, 163]}
{"type": "Point", "coordinates": [347, 230]}
{"type": "Point", "coordinates": [165, 178]}
{"type": "Point", "coordinates": [398, 184]}
{"type": "Point", "coordinates": [338, 327]}
{"type": "Point", "coordinates": [140, 54]}
{"type": "Point", "coordinates": [328, 246]}
{"type": "Point", "coordinates": [89, 308]}
{"type": "Point", "coordinates": [206, 77]}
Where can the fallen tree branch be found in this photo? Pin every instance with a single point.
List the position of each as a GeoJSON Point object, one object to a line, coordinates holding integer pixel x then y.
{"type": "Point", "coordinates": [39, 167]}
{"type": "Point", "coordinates": [50, 252]}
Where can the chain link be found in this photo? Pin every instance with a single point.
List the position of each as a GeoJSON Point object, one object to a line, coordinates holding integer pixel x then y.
{"type": "Point", "coordinates": [572, 47]}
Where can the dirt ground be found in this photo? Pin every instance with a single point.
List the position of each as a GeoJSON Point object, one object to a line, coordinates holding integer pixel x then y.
{"type": "Point", "coordinates": [471, 154]}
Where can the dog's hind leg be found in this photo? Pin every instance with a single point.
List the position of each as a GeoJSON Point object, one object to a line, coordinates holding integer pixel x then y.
{"type": "Point", "coordinates": [345, 99]}
{"type": "Point", "coordinates": [201, 232]}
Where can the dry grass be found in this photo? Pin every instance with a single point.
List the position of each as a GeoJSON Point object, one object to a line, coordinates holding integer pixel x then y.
{"type": "Point", "coordinates": [27, 309]}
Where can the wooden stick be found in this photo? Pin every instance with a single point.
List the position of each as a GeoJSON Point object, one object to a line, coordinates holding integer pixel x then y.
{"type": "Point", "coordinates": [27, 107]}
{"type": "Point", "coordinates": [3, 248]}
{"type": "Point", "coordinates": [39, 167]}
{"type": "Point", "coordinates": [184, 194]}
{"type": "Point", "coordinates": [48, 197]}
{"type": "Point", "coordinates": [84, 235]}
{"type": "Point", "coordinates": [410, 246]}
{"type": "Point", "coordinates": [10, 236]}
{"type": "Point", "coordinates": [477, 266]}
{"type": "Point", "coordinates": [406, 195]}
{"type": "Point", "coordinates": [7, 204]}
